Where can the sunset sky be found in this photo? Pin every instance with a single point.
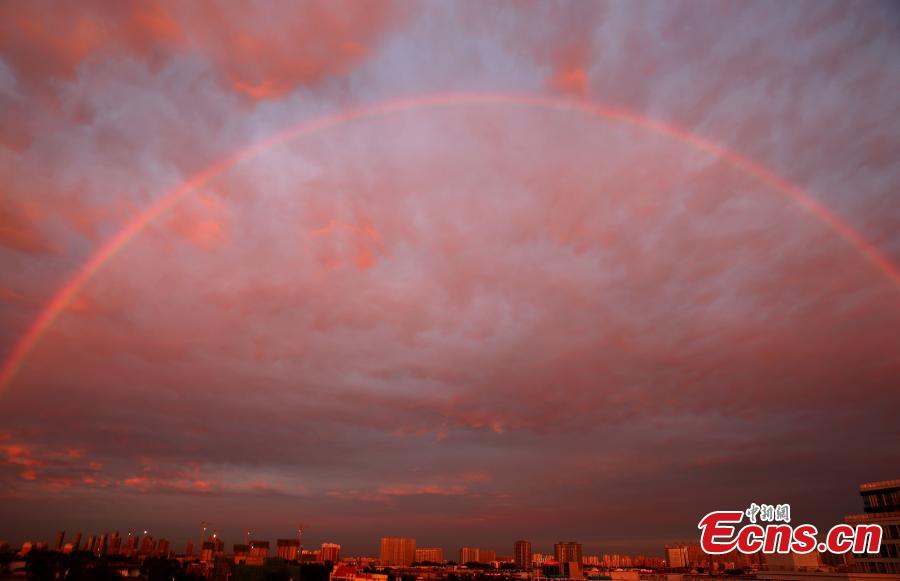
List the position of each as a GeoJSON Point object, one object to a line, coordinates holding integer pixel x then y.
{"type": "Point", "coordinates": [503, 270]}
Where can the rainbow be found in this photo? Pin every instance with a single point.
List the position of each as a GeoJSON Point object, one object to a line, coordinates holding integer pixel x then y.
{"type": "Point", "coordinates": [64, 296]}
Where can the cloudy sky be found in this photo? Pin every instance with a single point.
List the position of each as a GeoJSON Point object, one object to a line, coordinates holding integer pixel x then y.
{"type": "Point", "coordinates": [512, 296]}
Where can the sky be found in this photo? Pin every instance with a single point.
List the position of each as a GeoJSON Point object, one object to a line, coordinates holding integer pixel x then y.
{"type": "Point", "coordinates": [515, 273]}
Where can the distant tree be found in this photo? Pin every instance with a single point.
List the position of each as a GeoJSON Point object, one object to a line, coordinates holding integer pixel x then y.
{"type": "Point", "coordinates": [41, 565]}
{"type": "Point", "coordinates": [314, 572]}
{"type": "Point", "coordinates": [160, 569]}
{"type": "Point", "coordinates": [7, 556]}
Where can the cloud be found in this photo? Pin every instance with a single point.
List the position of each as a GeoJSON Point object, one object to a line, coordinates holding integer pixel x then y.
{"type": "Point", "coordinates": [19, 229]}
{"type": "Point", "coordinates": [474, 321]}
{"type": "Point", "coordinates": [252, 48]}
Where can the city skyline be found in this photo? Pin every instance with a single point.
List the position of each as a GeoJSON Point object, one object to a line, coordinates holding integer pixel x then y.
{"type": "Point", "coordinates": [880, 502]}
{"type": "Point", "coordinates": [143, 543]}
{"type": "Point", "coordinates": [462, 272]}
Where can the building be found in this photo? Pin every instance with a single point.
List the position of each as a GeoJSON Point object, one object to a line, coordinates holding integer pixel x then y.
{"type": "Point", "coordinates": [100, 545]}
{"type": "Point", "coordinates": [567, 552]}
{"type": "Point", "coordinates": [115, 543]}
{"type": "Point", "coordinates": [259, 549]}
{"type": "Point", "coordinates": [793, 562]}
{"type": "Point", "coordinates": [397, 551]}
{"type": "Point", "coordinates": [476, 555]}
{"type": "Point", "coordinates": [211, 549]}
{"type": "Point", "coordinates": [330, 553]}
{"type": "Point", "coordinates": [350, 573]}
{"type": "Point", "coordinates": [469, 555]}
{"type": "Point", "coordinates": [430, 555]}
{"type": "Point", "coordinates": [147, 545]}
{"type": "Point", "coordinates": [60, 538]}
{"type": "Point", "coordinates": [522, 554]}
{"type": "Point", "coordinates": [162, 547]}
{"type": "Point", "coordinates": [130, 545]}
{"type": "Point", "coordinates": [288, 549]}
{"type": "Point", "coordinates": [677, 556]}
{"type": "Point", "coordinates": [881, 505]}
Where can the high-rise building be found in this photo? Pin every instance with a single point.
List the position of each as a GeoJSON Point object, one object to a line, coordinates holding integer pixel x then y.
{"type": "Point", "coordinates": [881, 503]}
{"type": "Point", "coordinates": [430, 555]}
{"type": "Point", "coordinates": [677, 556]}
{"type": "Point", "coordinates": [115, 543]}
{"type": "Point", "coordinates": [208, 551]}
{"type": "Point", "coordinates": [100, 545]}
{"type": "Point", "coordinates": [469, 555]}
{"type": "Point", "coordinates": [567, 552]}
{"type": "Point", "coordinates": [130, 544]}
{"type": "Point", "coordinates": [60, 539]}
{"type": "Point", "coordinates": [76, 544]}
{"type": "Point", "coordinates": [330, 553]}
{"type": "Point", "coordinates": [162, 547]}
{"type": "Point", "coordinates": [147, 545]}
{"type": "Point", "coordinates": [397, 551]}
{"type": "Point", "coordinates": [476, 555]}
{"type": "Point", "coordinates": [260, 549]}
{"type": "Point", "coordinates": [522, 554]}
{"type": "Point", "coordinates": [288, 549]}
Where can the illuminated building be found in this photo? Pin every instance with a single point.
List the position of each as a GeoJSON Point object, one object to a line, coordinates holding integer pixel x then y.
{"type": "Point", "coordinates": [288, 549]}
{"type": "Point", "coordinates": [677, 556]}
{"type": "Point", "coordinates": [58, 544]}
{"type": "Point", "coordinates": [476, 555]}
{"type": "Point", "coordinates": [567, 552]}
{"type": "Point", "coordinates": [522, 554]}
{"type": "Point", "coordinates": [100, 545]}
{"type": "Point", "coordinates": [429, 555]}
{"type": "Point", "coordinates": [212, 548]}
{"type": "Point", "coordinates": [147, 545]}
{"type": "Point", "coordinates": [469, 555]}
{"type": "Point", "coordinates": [130, 544]}
{"type": "Point", "coordinates": [260, 549]}
{"type": "Point", "coordinates": [331, 553]}
{"type": "Point", "coordinates": [162, 547]}
{"type": "Point", "coordinates": [115, 543]}
{"type": "Point", "coordinates": [240, 553]}
{"type": "Point", "coordinates": [881, 503]}
{"type": "Point", "coordinates": [397, 551]}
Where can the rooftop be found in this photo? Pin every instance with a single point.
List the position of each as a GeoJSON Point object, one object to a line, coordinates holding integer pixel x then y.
{"type": "Point", "coordinates": [868, 486]}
